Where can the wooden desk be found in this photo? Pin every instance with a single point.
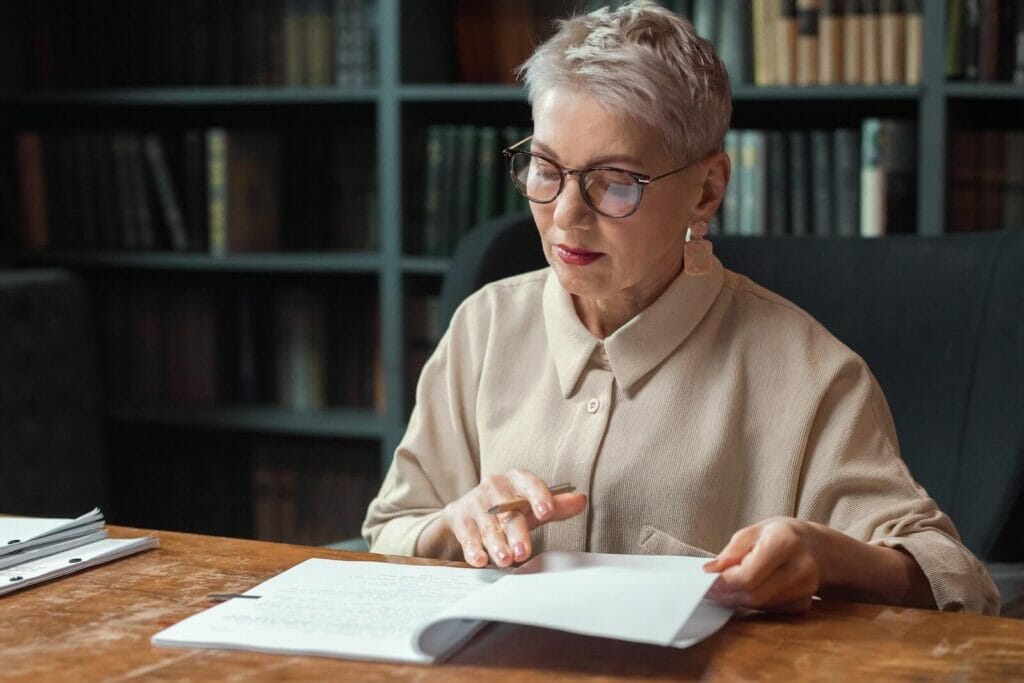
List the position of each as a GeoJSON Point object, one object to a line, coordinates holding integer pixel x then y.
{"type": "Point", "coordinates": [96, 625]}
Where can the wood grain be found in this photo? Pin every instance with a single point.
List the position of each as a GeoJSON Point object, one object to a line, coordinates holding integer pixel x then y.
{"type": "Point", "coordinates": [96, 625]}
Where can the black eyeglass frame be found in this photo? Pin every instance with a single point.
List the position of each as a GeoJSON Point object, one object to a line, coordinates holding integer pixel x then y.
{"type": "Point", "coordinates": [642, 179]}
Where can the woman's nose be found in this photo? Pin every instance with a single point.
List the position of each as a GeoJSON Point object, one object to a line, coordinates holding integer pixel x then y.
{"type": "Point", "coordinates": [571, 210]}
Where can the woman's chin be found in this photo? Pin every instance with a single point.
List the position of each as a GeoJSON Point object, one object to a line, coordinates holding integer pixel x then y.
{"type": "Point", "coordinates": [581, 281]}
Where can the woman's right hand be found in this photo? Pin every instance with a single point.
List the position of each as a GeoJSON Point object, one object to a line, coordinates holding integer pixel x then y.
{"type": "Point", "coordinates": [503, 538]}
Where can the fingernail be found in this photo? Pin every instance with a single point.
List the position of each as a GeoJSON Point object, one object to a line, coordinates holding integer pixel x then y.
{"type": "Point", "coordinates": [543, 509]}
{"type": "Point", "coordinates": [520, 549]}
{"type": "Point", "coordinates": [502, 556]}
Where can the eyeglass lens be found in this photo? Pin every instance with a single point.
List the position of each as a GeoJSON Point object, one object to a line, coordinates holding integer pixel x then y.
{"type": "Point", "coordinates": [612, 193]}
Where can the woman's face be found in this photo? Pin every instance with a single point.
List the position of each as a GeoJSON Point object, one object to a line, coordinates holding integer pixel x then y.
{"type": "Point", "coordinates": [596, 257]}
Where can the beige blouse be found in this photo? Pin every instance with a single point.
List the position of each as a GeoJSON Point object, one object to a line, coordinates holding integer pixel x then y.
{"type": "Point", "coordinates": [719, 405]}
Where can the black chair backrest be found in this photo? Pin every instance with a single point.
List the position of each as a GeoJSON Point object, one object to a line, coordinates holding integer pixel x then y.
{"type": "Point", "coordinates": [939, 320]}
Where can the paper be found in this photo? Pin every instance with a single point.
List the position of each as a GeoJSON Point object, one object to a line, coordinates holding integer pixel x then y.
{"type": "Point", "coordinates": [20, 533]}
{"type": "Point", "coordinates": [32, 554]}
{"type": "Point", "coordinates": [361, 610]}
{"type": "Point", "coordinates": [646, 599]}
{"type": "Point", "coordinates": [60, 564]}
{"type": "Point", "coordinates": [373, 610]}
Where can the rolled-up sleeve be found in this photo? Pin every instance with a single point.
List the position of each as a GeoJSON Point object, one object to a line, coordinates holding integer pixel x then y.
{"type": "Point", "coordinates": [854, 480]}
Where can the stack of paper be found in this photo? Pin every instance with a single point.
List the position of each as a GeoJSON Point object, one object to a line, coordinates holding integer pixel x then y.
{"type": "Point", "coordinates": [35, 549]}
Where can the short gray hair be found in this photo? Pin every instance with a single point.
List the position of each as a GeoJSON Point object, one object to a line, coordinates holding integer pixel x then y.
{"type": "Point", "coordinates": [645, 63]}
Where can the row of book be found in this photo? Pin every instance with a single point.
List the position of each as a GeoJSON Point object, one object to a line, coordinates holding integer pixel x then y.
{"type": "Point", "coordinates": [198, 42]}
{"type": "Point", "coordinates": [295, 347]}
{"type": "Point", "coordinates": [466, 182]}
{"type": "Point", "coordinates": [312, 492]}
{"type": "Point", "coordinates": [986, 179]}
{"type": "Point", "coordinates": [844, 182]}
{"type": "Point", "coordinates": [215, 190]}
{"type": "Point", "coordinates": [812, 42]}
{"type": "Point", "coordinates": [985, 40]}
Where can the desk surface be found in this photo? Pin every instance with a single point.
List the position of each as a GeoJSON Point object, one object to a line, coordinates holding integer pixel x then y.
{"type": "Point", "coordinates": [96, 625]}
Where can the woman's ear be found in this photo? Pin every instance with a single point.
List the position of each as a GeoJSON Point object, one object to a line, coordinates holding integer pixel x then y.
{"type": "Point", "coordinates": [717, 170]}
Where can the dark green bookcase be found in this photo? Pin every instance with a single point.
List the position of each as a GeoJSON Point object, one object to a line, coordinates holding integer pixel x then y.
{"type": "Point", "coordinates": [399, 111]}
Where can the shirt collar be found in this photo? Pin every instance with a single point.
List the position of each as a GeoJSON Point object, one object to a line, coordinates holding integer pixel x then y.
{"type": "Point", "coordinates": [641, 344]}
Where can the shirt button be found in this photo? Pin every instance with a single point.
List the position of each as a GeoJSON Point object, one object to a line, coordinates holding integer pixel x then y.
{"type": "Point", "coordinates": [592, 405]}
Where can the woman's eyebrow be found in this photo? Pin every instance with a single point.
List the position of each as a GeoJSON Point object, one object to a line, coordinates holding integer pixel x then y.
{"type": "Point", "coordinates": [599, 161]}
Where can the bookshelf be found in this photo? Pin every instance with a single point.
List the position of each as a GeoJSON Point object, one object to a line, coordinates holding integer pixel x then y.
{"type": "Point", "coordinates": [397, 107]}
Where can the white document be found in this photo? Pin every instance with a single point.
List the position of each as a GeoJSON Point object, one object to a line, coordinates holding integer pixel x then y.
{"type": "Point", "coordinates": [20, 533]}
{"type": "Point", "coordinates": [34, 553]}
{"type": "Point", "coordinates": [373, 610]}
{"type": "Point", "coordinates": [68, 561]}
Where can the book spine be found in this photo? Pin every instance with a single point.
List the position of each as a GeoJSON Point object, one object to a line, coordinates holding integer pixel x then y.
{"type": "Point", "coordinates": [830, 55]}
{"type": "Point", "coordinates": [807, 42]}
{"type": "Point", "coordinates": [785, 43]}
{"type": "Point", "coordinates": [778, 182]}
{"type": "Point", "coordinates": [799, 183]}
{"type": "Point", "coordinates": [753, 206]}
{"type": "Point", "coordinates": [853, 42]}
{"type": "Point", "coordinates": [822, 183]}
{"type": "Point", "coordinates": [733, 42]}
{"type": "Point", "coordinates": [913, 25]}
{"type": "Point", "coordinates": [731, 204]}
{"type": "Point", "coordinates": [872, 217]}
{"type": "Point", "coordinates": [487, 175]}
{"type": "Point", "coordinates": [432, 192]}
{"type": "Point", "coordinates": [894, 47]}
{"type": "Point", "coordinates": [31, 173]}
{"type": "Point", "coordinates": [871, 70]}
{"type": "Point", "coordinates": [847, 181]}
{"type": "Point", "coordinates": [954, 39]}
{"type": "Point", "coordinates": [166, 194]}
{"type": "Point", "coordinates": [1013, 196]}
{"type": "Point", "coordinates": [217, 190]}
{"type": "Point", "coordinates": [1018, 43]}
{"type": "Point", "coordinates": [970, 39]}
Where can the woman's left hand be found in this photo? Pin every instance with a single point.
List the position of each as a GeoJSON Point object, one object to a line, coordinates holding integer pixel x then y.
{"type": "Point", "coordinates": [772, 565]}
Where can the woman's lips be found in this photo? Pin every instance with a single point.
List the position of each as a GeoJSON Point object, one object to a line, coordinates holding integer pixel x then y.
{"type": "Point", "coordinates": [576, 257]}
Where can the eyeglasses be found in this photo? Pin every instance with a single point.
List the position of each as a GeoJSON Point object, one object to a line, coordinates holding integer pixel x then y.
{"type": "Point", "coordinates": [611, 192]}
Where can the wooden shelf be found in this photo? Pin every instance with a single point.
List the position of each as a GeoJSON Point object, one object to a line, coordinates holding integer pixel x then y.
{"type": "Point", "coordinates": [425, 265]}
{"type": "Point", "coordinates": [278, 262]}
{"type": "Point", "coordinates": [192, 96]}
{"type": "Point", "coordinates": [986, 91]}
{"type": "Point", "coordinates": [329, 423]}
{"type": "Point", "coordinates": [753, 93]}
{"type": "Point", "coordinates": [462, 92]}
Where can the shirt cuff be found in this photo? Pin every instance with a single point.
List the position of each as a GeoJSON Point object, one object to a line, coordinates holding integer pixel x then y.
{"type": "Point", "coordinates": [958, 580]}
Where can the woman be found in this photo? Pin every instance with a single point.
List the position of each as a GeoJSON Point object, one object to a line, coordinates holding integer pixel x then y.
{"type": "Point", "coordinates": [696, 412]}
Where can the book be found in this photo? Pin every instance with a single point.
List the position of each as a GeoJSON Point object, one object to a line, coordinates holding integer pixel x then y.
{"type": "Point", "coordinates": [822, 184]}
{"type": "Point", "coordinates": [410, 613]}
{"type": "Point", "coordinates": [853, 41]}
{"type": "Point", "coordinates": [893, 36]}
{"type": "Point", "coordinates": [799, 183]}
{"type": "Point", "coordinates": [31, 174]}
{"type": "Point", "coordinates": [846, 192]}
{"type": "Point", "coordinates": [807, 22]}
{"type": "Point", "coordinates": [754, 180]}
{"type": "Point", "coordinates": [830, 43]}
{"type": "Point", "coordinates": [913, 24]}
{"type": "Point", "coordinates": [243, 188]}
{"type": "Point", "coordinates": [871, 43]}
{"type": "Point", "coordinates": [785, 43]}
{"type": "Point", "coordinates": [37, 549]}
{"type": "Point", "coordinates": [733, 40]}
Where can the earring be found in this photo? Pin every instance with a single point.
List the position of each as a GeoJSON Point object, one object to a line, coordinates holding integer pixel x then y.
{"type": "Point", "coordinates": [697, 252]}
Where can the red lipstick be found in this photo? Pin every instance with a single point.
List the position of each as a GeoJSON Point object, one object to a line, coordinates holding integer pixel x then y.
{"type": "Point", "coordinates": [576, 257]}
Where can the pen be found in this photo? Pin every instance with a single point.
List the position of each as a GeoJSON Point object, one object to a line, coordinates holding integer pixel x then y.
{"type": "Point", "coordinates": [523, 505]}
